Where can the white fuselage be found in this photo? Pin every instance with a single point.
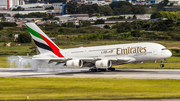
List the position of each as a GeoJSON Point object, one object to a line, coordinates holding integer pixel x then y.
{"type": "Point", "coordinates": [139, 51]}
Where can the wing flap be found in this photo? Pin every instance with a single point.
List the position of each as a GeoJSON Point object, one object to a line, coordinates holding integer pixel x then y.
{"type": "Point", "coordinates": [63, 60]}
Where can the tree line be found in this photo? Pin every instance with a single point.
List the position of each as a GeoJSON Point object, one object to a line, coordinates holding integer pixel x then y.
{"type": "Point", "coordinates": [36, 15]}
{"type": "Point", "coordinates": [136, 30]}
{"type": "Point", "coordinates": [115, 8]}
{"type": "Point", "coordinates": [50, 1]}
{"type": "Point", "coordinates": [166, 14]}
{"type": "Point", "coordinates": [31, 15]}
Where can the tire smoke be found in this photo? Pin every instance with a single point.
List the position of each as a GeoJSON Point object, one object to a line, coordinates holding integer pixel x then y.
{"type": "Point", "coordinates": [37, 65]}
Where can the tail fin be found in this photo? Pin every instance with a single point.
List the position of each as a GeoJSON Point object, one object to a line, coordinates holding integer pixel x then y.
{"type": "Point", "coordinates": [42, 41]}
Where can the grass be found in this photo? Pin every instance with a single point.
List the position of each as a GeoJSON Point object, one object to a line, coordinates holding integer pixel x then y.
{"type": "Point", "coordinates": [87, 88]}
{"type": "Point", "coordinates": [151, 10]}
{"type": "Point", "coordinates": [15, 50]}
{"type": "Point", "coordinates": [170, 63]}
{"type": "Point", "coordinates": [3, 62]}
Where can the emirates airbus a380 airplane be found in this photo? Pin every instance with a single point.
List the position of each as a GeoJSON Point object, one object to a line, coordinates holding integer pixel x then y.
{"type": "Point", "coordinates": [97, 57]}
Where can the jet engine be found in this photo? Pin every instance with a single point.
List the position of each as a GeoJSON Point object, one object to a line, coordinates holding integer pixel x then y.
{"type": "Point", "coordinates": [74, 63]}
{"type": "Point", "coordinates": [103, 64]}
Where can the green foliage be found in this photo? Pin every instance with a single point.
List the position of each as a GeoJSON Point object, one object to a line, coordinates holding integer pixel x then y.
{"type": "Point", "coordinates": [24, 38]}
{"type": "Point", "coordinates": [156, 15]}
{"type": "Point", "coordinates": [135, 33]}
{"type": "Point", "coordinates": [138, 9]}
{"type": "Point", "coordinates": [84, 88]}
{"type": "Point", "coordinates": [3, 18]}
{"type": "Point", "coordinates": [86, 23]}
{"type": "Point", "coordinates": [71, 7]}
{"type": "Point", "coordinates": [106, 26]}
{"type": "Point", "coordinates": [166, 2]}
{"type": "Point", "coordinates": [19, 8]}
{"type": "Point", "coordinates": [32, 1]}
{"type": "Point", "coordinates": [114, 18]}
{"type": "Point", "coordinates": [35, 15]}
{"type": "Point", "coordinates": [126, 9]}
{"type": "Point", "coordinates": [50, 27]}
{"type": "Point", "coordinates": [88, 9]}
{"type": "Point", "coordinates": [49, 8]}
{"type": "Point", "coordinates": [170, 14]}
{"type": "Point", "coordinates": [99, 21]}
{"type": "Point", "coordinates": [162, 4]}
{"type": "Point", "coordinates": [123, 7]}
{"type": "Point", "coordinates": [119, 4]}
{"type": "Point", "coordinates": [122, 27]}
{"type": "Point", "coordinates": [17, 15]}
{"type": "Point", "coordinates": [105, 10]}
{"type": "Point", "coordinates": [8, 24]}
{"type": "Point", "coordinates": [32, 15]}
{"type": "Point", "coordinates": [71, 24]}
{"type": "Point", "coordinates": [64, 24]}
{"type": "Point", "coordinates": [134, 17]}
{"type": "Point", "coordinates": [56, 1]}
{"type": "Point", "coordinates": [50, 17]}
{"type": "Point", "coordinates": [1, 26]}
{"type": "Point", "coordinates": [61, 30]}
{"type": "Point", "coordinates": [1, 15]}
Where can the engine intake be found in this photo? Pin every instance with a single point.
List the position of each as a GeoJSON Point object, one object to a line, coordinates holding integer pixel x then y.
{"type": "Point", "coordinates": [103, 64]}
{"type": "Point", "coordinates": [74, 63]}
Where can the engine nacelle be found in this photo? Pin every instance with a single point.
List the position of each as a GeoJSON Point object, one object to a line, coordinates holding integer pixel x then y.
{"type": "Point", "coordinates": [74, 63]}
{"type": "Point", "coordinates": [103, 64]}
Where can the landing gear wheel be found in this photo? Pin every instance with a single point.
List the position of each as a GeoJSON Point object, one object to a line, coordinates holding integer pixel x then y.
{"type": "Point", "coordinates": [162, 65]}
{"type": "Point", "coordinates": [112, 69]}
{"type": "Point", "coordinates": [94, 70]}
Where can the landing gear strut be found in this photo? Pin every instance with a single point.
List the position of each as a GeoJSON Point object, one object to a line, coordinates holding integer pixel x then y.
{"type": "Point", "coordinates": [111, 69]}
{"type": "Point", "coordinates": [162, 65]}
{"type": "Point", "coordinates": [101, 69]}
{"type": "Point", "coordinates": [93, 70]}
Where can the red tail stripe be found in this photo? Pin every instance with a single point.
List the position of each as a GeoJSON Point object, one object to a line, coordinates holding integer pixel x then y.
{"type": "Point", "coordinates": [53, 47]}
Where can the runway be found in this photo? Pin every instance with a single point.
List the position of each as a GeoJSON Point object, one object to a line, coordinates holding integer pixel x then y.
{"type": "Point", "coordinates": [84, 73]}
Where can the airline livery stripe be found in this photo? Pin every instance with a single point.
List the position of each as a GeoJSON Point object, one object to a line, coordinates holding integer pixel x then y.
{"type": "Point", "coordinates": [39, 40]}
{"type": "Point", "coordinates": [53, 47]}
{"type": "Point", "coordinates": [34, 32]}
{"type": "Point", "coordinates": [41, 45]}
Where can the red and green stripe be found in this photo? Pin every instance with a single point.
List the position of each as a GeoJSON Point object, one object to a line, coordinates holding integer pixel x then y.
{"type": "Point", "coordinates": [51, 46]}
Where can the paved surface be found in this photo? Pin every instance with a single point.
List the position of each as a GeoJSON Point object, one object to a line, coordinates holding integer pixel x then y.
{"type": "Point", "coordinates": [84, 73]}
{"type": "Point", "coordinates": [133, 100]}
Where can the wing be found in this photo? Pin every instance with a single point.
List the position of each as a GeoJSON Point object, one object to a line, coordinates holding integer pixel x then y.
{"type": "Point", "coordinates": [87, 62]}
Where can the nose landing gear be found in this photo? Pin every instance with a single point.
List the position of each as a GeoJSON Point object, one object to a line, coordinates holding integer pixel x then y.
{"type": "Point", "coordinates": [162, 65]}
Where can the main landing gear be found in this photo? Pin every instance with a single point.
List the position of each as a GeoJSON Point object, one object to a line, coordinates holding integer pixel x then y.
{"type": "Point", "coordinates": [162, 65]}
{"type": "Point", "coordinates": [101, 69]}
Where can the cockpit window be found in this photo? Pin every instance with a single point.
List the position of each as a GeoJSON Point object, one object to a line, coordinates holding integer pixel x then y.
{"type": "Point", "coordinates": [164, 49]}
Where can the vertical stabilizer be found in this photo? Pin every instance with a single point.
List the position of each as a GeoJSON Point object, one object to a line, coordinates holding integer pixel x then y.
{"type": "Point", "coordinates": [42, 41]}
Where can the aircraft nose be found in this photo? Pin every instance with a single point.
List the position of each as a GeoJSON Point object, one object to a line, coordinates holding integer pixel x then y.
{"type": "Point", "coordinates": [169, 54]}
